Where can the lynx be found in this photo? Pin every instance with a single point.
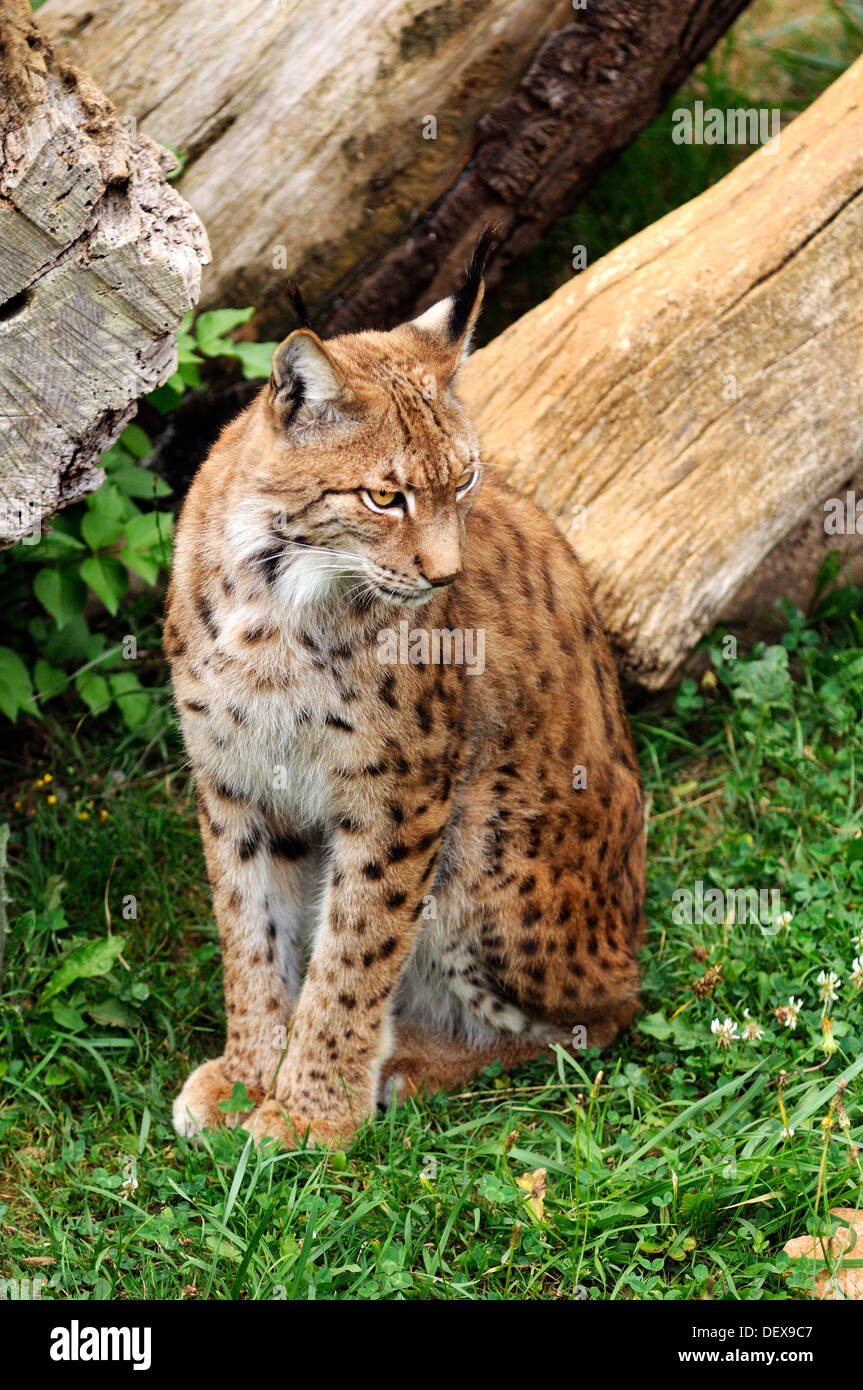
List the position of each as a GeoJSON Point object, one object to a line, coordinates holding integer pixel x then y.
{"type": "Point", "coordinates": [418, 866]}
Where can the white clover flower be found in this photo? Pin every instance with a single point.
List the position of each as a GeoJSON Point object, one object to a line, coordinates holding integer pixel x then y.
{"type": "Point", "coordinates": [784, 919]}
{"type": "Point", "coordinates": [857, 972]}
{"type": "Point", "coordinates": [788, 1013]}
{"type": "Point", "coordinates": [787, 1132]}
{"type": "Point", "coordinates": [829, 985]}
{"type": "Point", "coordinates": [725, 1031]}
{"type": "Point", "coordinates": [752, 1030]}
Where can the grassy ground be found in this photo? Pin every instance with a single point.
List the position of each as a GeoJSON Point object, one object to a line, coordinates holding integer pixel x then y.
{"type": "Point", "coordinates": [669, 1168]}
{"type": "Point", "coordinates": [668, 1171]}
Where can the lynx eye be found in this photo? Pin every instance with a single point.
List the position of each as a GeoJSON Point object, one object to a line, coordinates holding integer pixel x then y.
{"type": "Point", "coordinates": [466, 479]}
{"type": "Point", "coordinates": [382, 501]}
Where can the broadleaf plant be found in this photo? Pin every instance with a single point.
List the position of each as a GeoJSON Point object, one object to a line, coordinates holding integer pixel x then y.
{"type": "Point", "coordinates": [101, 556]}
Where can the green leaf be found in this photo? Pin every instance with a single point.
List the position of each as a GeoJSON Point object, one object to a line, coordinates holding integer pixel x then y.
{"type": "Point", "coordinates": [137, 441]}
{"type": "Point", "coordinates": [147, 530]}
{"type": "Point", "coordinates": [684, 1037]}
{"type": "Point", "coordinates": [61, 593]}
{"type": "Point", "coordinates": [617, 1211]}
{"type": "Point", "coordinates": [94, 691]}
{"type": "Point", "coordinates": [655, 1026]}
{"type": "Point", "coordinates": [16, 690]}
{"type": "Point", "coordinates": [187, 352]}
{"type": "Point", "coordinates": [101, 530]}
{"type": "Point", "coordinates": [115, 457]}
{"type": "Point", "coordinates": [106, 578]}
{"type": "Point", "coordinates": [133, 701]}
{"type": "Point", "coordinates": [190, 374]}
{"type": "Point", "coordinates": [54, 545]}
{"type": "Point", "coordinates": [222, 1249]}
{"type": "Point", "coordinates": [167, 397]}
{"type": "Point", "coordinates": [67, 1017]}
{"type": "Point", "coordinates": [49, 680]}
{"type": "Point", "coordinates": [240, 1101]}
{"type": "Point", "coordinates": [92, 959]}
{"type": "Point", "coordinates": [107, 511]}
{"type": "Point", "coordinates": [56, 1076]}
{"type": "Point", "coordinates": [113, 1011]}
{"type": "Point", "coordinates": [256, 359]}
{"type": "Point", "coordinates": [211, 328]}
{"type": "Point", "coordinates": [187, 349]}
{"type": "Point", "coordinates": [135, 481]}
{"type": "Point", "coordinates": [148, 544]}
{"type": "Point", "coordinates": [142, 564]}
{"type": "Point", "coordinates": [72, 642]}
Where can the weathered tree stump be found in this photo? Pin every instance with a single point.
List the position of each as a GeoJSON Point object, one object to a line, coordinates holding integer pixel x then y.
{"type": "Point", "coordinates": [99, 259]}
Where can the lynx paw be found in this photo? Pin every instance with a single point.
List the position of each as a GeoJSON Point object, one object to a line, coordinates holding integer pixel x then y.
{"type": "Point", "coordinates": [397, 1086]}
{"type": "Point", "coordinates": [197, 1105]}
{"type": "Point", "coordinates": [272, 1121]}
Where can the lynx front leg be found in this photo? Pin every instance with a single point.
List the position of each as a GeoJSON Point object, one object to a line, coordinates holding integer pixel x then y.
{"type": "Point", "coordinates": [258, 876]}
{"type": "Point", "coordinates": [341, 1034]}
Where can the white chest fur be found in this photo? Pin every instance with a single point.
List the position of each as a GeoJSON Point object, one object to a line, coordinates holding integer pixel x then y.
{"type": "Point", "coordinates": [284, 718]}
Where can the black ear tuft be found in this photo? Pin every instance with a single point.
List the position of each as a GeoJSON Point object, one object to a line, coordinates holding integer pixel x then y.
{"type": "Point", "coordinates": [295, 295]}
{"type": "Point", "coordinates": [463, 300]}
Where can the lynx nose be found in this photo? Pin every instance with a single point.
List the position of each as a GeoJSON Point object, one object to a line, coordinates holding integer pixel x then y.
{"type": "Point", "coordinates": [441, 571]}
{"type": "Point", "coordinates": [438, 558]}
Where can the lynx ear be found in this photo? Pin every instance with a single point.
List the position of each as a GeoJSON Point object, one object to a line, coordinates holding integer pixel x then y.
{"type": "Point", "coordinates": [304, 373]}
{"type": "Point", "coordinates": [450, 323]}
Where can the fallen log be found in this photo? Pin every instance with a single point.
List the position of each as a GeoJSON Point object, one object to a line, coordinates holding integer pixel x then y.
{"type": "Point", "coordinates": [360, 147]}
{"type": "Point", "coordinates": [694, 396]}
{"type": "Point", "coordinates": [99, 259]}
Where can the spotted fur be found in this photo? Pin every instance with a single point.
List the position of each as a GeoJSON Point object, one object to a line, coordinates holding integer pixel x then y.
{"type": "Point", "coordinates": [406, 881]}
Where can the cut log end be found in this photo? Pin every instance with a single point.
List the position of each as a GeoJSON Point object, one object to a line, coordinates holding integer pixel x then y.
{"type": "Point", "coordinates": [100, 258]}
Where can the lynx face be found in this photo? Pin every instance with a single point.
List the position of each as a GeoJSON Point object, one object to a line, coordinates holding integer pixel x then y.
{"type": "Point", "coordinates": [367, 466]}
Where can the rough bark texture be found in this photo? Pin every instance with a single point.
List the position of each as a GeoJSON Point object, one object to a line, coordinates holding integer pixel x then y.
{"type": "Point", "coordinates": [699, 391]}
{"type": "Point", "coordinates": [304, 124]}
{"type": "Point", "coordinates": [99, 260]}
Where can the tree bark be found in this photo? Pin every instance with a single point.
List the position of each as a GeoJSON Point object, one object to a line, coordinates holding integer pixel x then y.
{"type": "Point", "coordinates": [99, 260]}
{"type": "Point", "coordinates": [699, 391]}
{"type": "Point", "coordinates": [305, 127]}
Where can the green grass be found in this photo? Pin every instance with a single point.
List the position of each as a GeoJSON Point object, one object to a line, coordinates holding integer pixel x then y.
{"type": "Point", "coordinates": [668, 1175]}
